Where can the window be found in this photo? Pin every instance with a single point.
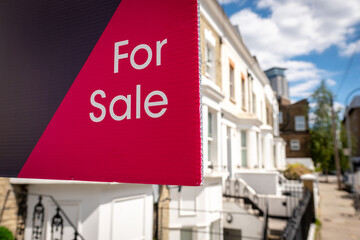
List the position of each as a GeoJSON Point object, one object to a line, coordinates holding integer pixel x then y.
{"type": "Point", "coordinates": [254, 103]}
{"type": "Point", "coordinates": [232, 81]}
{"type": "Point", "coordinates": [243, 149]}
{"type": "Point", "coordinates": [249, 91]}
{"type": "Point", "coordinates": [210, 134]}
{"type": "Point", "coordinates": [186, 234]}
{"type": "Point", "coordinates": [243, 92]}
{"type": "Point", "coordinates": [215, 230]}
{"type": "Point", "coordinates": [229, 150]}
{"type": "Point", "coordinates": [210, 61]}
{"type": "Point", "coordinates": [280, 117]}
{"type": "Point", "coordinates": [295, 144]}
{"type": "Point", "coordinates": [300, 123]}
{"type": "Point", "coordinates": [211, 129]}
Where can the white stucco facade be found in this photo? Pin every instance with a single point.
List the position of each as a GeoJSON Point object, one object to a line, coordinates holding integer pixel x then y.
{"type": "Point", "coordinates": [196, 212]}
{"type": "Point", "coordinates": [98, 210]}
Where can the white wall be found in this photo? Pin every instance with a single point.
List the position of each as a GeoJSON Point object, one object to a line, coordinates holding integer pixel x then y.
{"type": "Point", "coordinates": [268, 150]}
{"type": "Point", "coordinates": [263, 182]}
{"type": "Point", "coordinates": [195, 208]}
{"type": "Point", "coordinates": [251, 226]}
{"type": "Point", "coordinates": [100, 211]}
{"type": "Point", "coordinates": [280, 158]}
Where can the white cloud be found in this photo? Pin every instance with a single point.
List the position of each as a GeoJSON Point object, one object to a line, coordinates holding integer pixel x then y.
{"type": "Point", "coordinates": [296, 28]}
{"type": "Point", "coordinates": [312, 104]}
{"type": "Point", "coordinates": [330, 82]}
{"type": "Point", "coordinates": [349, 49]}
{"type": "Point", "coordinates": [300, 70]}
{"type": "Point", "coordinates": [231, 1]}
{"type": "Point", "coordinates": [303, 90]}
{"type": "Point", "coordinates": [339, 106]}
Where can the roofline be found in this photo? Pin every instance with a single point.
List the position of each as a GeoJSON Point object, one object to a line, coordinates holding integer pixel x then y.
{"type": "Point", "coordinates": [234, 37]}
{"type": "Point", "coordinates": [275, 68]}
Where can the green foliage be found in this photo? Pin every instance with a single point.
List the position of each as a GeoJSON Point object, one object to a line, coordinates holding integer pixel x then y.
{"type": "Point", "coordinates": [294, 171]}
{"type": "Point", "coordinates": [322, 144]}
{"type": "Point", "coordinates": [5, 234]}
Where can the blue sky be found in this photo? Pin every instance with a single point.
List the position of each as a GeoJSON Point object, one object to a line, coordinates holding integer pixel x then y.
{"type": "Point", "coordinates": [313, 39]}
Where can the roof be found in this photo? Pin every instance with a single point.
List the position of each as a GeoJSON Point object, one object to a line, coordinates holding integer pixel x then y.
{"type": "Point", "coordinates": [275, 71]}
{"type": "Point", "coordinates": [355, 103]}
{"type": "Point", "coordinates": [279, 68]}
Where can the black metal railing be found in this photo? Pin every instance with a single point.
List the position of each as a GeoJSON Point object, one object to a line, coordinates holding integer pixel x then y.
{"type": "Point", "coordinates": [303, 215]}
{"type": "Point", "coordinates": [266, 222]}
{"type": "Point", "coordinates": [38, 217]}
{"type": "Point", "coordinates": [216, 233]}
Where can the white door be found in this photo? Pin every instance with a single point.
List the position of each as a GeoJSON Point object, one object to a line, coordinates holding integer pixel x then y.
{"type": "Point", "coordinates": [128, 218]}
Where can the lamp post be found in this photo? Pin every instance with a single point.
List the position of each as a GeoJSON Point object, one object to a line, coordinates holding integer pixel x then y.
{"type": "Point", "coordinates": [336, 150]}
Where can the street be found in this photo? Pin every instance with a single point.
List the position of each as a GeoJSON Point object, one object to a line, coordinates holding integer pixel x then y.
{"type": "Point", "coordinates": [337, 215]}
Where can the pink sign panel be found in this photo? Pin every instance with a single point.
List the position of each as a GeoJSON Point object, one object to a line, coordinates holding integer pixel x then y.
{"type": "Point", "coordinates": [115, 95]}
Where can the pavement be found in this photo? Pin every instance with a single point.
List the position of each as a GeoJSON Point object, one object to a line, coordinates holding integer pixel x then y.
{"type": "Point", "coordinates": [337, 214]}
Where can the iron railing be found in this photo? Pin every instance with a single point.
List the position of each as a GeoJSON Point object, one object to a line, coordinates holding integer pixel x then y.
{"type": "Point", "coordinates": [239, 190]}
{"type": "Point", "coordinates": [38, 216]}
{"type": "Point", "coordinates": [303, 215]}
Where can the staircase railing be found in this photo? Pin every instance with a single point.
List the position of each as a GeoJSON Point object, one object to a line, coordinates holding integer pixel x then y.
{"type": "Point", "coordinates": [38, 217]}
{"type": "Point", "coordinates": [238, 189]}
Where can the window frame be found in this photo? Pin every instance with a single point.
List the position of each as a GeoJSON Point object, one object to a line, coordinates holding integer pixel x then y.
{"type": "Point", "coordinates": [301, 123]}
{"type": "Point", "coordinates": [231, 80]}
{"type": "Point", "coordinates": [210, 63]}
{"type": "Point", "coordinates": [297, 146]}
{"type": "Point", "coordinates": [281, 120]}
{"type": "Point", "coordinates": [243, 148]}
{"type": "Point", "coordinates": [243, 92]}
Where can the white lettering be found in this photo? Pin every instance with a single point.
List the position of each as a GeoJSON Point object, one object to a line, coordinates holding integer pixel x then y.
{"type": "Point", "coordinates": [138, 102]}
{"type": "Point", "coordinates": [127, 113]}
{"type": "Point", "coordinates": [158, 51]}
{"type": "Point", "coordinates": [148, 104]}
{"type": "Point", "coordinates": [97, 105]}
{"type": "Point", "coordinates": [117, 57]}
{"type": "Point", "coordinates": [132, 56]}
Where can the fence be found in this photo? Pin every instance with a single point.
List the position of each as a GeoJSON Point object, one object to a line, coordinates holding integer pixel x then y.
{"type": "Point", "coordinates": [214, 231]}
{"type": "Point", "coordinates": [302, 217]}
{"type": "Point", "coordinates": [278, 206]}
{"type": "Point", "coordinates": [294, 190]}
{"type": "Point", "coordinates": [38, 216]}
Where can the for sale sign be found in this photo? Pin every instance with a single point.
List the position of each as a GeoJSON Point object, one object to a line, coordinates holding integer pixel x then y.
{"type": "Point", "coordinates": [100, 91]}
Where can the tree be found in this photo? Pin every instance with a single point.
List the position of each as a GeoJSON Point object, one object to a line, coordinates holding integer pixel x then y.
{"type": "Point", "coordinates": [322, 144]}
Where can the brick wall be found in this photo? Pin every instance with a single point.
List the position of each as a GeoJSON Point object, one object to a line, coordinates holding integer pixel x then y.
{"type": "Point", "coordinates": [304, 139]}
{"type": "Point", "coordinates": [289, 112]}
{"type": "Point", "coordinates": [8, 209]}
{"type": "Point", "coordinates": [288, 132]}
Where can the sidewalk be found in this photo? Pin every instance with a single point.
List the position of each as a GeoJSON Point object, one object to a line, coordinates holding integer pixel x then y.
{"type": "Point", "coordinates": [337, 214]}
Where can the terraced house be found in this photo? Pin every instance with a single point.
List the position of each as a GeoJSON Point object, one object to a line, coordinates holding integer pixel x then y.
{"type": "Point", "coordinates": [243, 154]}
